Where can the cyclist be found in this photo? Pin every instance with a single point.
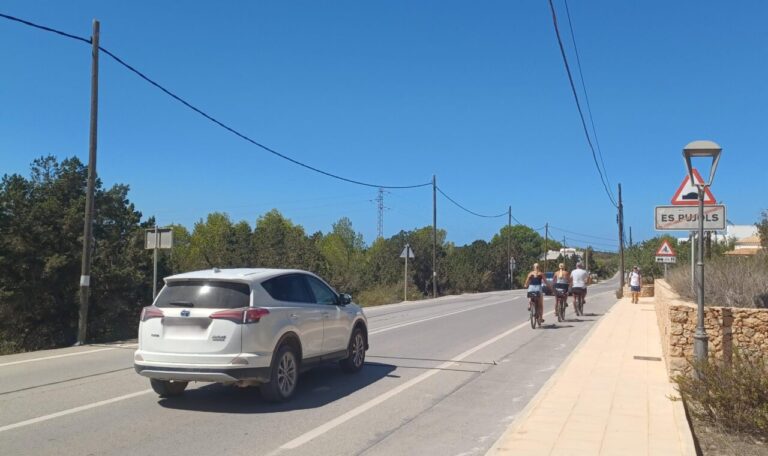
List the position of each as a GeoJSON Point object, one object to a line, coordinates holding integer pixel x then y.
{"type": "Point", "coordinates": [579, 281]}
{"type": "Point", "coordinates": [534, 282]}
{"type": "Point", "coordinates": [561, 281]}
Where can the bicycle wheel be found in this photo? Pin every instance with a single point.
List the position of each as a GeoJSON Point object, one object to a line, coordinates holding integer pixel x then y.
{"type": "Point", "coordinates": [532, 309]}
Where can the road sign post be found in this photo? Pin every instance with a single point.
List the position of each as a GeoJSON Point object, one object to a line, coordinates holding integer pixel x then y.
{"type": "Point", "coordinates": [406, 253]}
{"type": "Point", "coordinates": [156, 239]}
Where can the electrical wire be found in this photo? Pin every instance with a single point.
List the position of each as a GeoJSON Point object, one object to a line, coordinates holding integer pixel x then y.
{"type": "Point", "coordinates": [578, 104]}
{"type": "Point", "coordinates": [582, 234]}
{"type": "Point", "coordinates": [586, 98]}
{"type": "Point", "coordinates": [206, 115]}
{"type": "Point", "coordinates": [467, 210]}
{"type": "Point", "coordinates": [590, 243]}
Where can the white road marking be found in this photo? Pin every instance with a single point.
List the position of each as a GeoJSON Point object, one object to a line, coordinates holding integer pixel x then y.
{"type": "Point", "coordinates": [44, 358]}
{"type": "Point", "coordinates": [72, 410]}
{"type": "Point", "coordinates": [341, 419]}
{"type": "Point", "coordinates": [409, 323]}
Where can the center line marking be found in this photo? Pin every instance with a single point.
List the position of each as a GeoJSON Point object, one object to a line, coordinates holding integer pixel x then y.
{"type": "Point", "coordinates": [401, 325]}
{"type": "Point", "coordinates": [320, 430]}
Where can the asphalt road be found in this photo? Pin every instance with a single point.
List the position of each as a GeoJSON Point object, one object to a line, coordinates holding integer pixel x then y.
{"type": "Point", "coordinates": [442, 377]}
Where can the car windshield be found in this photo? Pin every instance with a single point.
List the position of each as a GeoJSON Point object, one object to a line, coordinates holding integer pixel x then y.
{"type": "Point", "coordinates": [207, 294]}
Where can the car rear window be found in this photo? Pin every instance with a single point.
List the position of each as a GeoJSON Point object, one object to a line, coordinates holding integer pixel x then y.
{"type": "Point", "coordinates": [207, 294]}
{"type": "Point", "coordinates": [290, 288]}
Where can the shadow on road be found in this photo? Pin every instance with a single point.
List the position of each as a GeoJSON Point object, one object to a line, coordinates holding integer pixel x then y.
{"type": "Point", "coordinates": [316, 388]}
{"type": "Point", "coordinates": [556, 326]}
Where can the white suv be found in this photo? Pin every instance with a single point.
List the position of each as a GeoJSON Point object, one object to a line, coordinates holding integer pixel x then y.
{"type": "Point", "coordinates": [247, 327]}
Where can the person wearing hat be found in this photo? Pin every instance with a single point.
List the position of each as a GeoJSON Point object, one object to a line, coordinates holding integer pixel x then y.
{"type": "Point", "coordinates": [635, 284]}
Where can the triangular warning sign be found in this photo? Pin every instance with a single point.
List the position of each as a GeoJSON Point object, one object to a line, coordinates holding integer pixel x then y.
{"type": "Point", "coordinates": [665, 250]}
{"type": "Point", "coordinates": [688, 195]}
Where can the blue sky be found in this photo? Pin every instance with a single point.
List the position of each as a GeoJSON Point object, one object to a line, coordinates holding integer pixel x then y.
{"type": "Point", "coordinates": [394, 92]}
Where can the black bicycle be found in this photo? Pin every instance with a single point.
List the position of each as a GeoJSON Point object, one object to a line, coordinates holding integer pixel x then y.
{"type": "Point", "coordinates": [561, 302]}
{"type": "Point", "coordinates": [533, 308]}
{"type": "Point", "coordinates": [578, 297]}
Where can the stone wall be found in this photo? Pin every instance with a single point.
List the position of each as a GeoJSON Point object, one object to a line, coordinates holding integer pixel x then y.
{"type": "Point", "coordinates": [646, 291]}
{"type": "Point", "coordinates": [728, 328]}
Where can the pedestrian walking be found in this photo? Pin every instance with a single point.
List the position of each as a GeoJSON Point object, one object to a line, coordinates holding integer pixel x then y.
{"type": "Point", "coordinates": [635, 284]}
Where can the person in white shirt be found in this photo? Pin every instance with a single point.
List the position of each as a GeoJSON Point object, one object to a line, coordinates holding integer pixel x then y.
{"type": "Point", "coordinates": [579, 281]}
{"type": "Point", "coordinates": [635, 284]}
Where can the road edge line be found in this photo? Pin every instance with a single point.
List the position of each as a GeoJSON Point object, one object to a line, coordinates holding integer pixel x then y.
{"type": "Point", "coordinates": [71, 411]}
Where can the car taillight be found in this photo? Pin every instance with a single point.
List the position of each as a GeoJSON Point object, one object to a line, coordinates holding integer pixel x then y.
{"type": "Point", "coordinates": [253, 315]}
{"type": "Point", "coordinates": [151, 312]}
{"type": "Point", "coordinates": [248, 315]}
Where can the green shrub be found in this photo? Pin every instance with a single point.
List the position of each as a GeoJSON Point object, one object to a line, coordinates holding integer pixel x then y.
{"type": "Point", "coordinates": [732, 396]}
{"type": "Point", "coordinates": [8, 347]}
{"type": "Point", "coordinates": [386, 294]}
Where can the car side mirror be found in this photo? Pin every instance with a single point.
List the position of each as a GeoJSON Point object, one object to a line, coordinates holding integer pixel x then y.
{"type": "Point", "coordinates": [345, 299]}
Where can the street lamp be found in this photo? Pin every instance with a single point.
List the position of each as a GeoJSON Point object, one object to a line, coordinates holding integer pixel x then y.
{"type": "Point", "coordinates": [701, 150]}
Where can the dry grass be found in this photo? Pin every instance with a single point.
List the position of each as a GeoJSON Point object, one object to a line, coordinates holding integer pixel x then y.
{"type": "Point", "coordinates": [728, 404]}
{"type": "Point", "coordinates": [728, 281]}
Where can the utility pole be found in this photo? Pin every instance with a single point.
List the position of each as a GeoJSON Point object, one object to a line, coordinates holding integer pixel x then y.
{"type": "Point", "coordinates": [380, 207]}
{"type": "Point", "coordinates": [586, 258]}
{"type": "Point", "coordinates": [434, 236]}
{"type": "Point", "coordinates": [621, 241]}
{"type": "Point", "coordinates": [509, 244]}
{"type": "Point", "coordinates": [630, 237]}
{"type": "Point", "coordinates": [85, 270]}
{"type": "Point", "coordinates": [546, 246]}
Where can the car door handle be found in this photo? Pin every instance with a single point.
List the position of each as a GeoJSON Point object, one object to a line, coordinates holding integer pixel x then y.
{"type": "Point", "coordinates": [294, 316]}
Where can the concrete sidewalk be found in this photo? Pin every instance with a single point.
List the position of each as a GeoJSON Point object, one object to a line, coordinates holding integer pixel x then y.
{"type": "Point", "coordinates": [603, 400]}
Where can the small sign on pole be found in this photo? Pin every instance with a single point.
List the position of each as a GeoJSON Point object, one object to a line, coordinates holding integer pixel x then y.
{"type": "Point", "coordinates": [407, 253]}
{"type": "Point", "coordinates": [156, 239]}
{"type": "Point", "coordinates": [666, 254]}
{"type": "Point", "coordinates": [161, 238]}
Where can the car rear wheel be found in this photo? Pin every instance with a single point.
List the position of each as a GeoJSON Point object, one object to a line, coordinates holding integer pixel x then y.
{"type": "Point", "coordinates": [284, 376]}
{"type": "Point", "coordinates": [165, 388]}
{"type": "Point", "coordinates": [354, 362]}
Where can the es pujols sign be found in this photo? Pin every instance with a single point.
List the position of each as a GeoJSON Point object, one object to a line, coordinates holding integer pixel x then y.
{"type": "Point", "coordinates": [685, 218]}
{"type": "Point", "coordinates": [689, 217]}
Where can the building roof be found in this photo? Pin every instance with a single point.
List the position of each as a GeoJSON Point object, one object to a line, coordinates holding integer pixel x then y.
{"type": "Point", "coordinates": [749, 240]}
{"type": "Point", "coordinates": [745, 251]}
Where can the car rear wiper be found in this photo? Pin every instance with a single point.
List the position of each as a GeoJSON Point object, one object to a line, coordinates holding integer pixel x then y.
{"type": "Point", "coordinates": [182, 303]}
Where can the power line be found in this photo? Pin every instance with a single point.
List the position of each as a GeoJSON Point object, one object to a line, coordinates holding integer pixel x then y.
{"type": "Point", "coordinates": [578, 104]}
{"type": "Point", "coordinates": [586, 97]}
{"type": "Point", "coordinates": [582, 234]}
{"type": "Point", "coordinates": [206, 115]}
{"type": "Point", "coordinates": [589, 242]}
{"type": "Point", "coordinates": [467, 210]}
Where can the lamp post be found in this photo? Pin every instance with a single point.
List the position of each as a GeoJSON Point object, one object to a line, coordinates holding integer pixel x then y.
{"type": "Point", "coordinates": [701, 150]}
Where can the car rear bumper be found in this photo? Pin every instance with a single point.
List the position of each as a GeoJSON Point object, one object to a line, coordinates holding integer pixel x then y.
{"type": "Point", "coordinates": [194, 374]}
